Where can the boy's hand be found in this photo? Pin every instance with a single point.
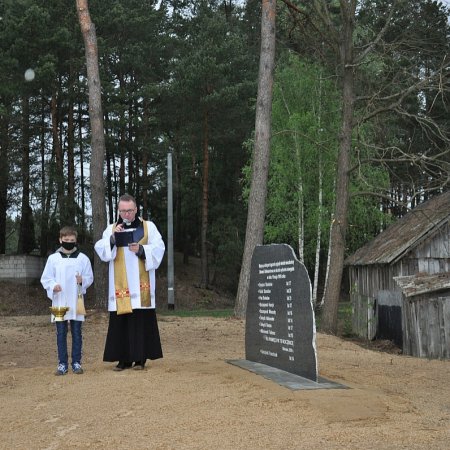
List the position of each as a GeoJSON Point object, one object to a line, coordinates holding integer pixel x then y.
{"type": "Point", "coordinates": [79, 279]}
{"type": "Point", "coordinates": [57, 288]}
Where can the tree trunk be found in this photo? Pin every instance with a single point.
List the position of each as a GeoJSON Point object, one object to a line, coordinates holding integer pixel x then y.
{"type": "Point", "coordinates": [339, 224]}
{"type": "Point", "coordinates": [26, 232]}
{"type": "Point", "coordinates": [115, 179]}
{"type": "Point", "coordinates": [70, 203]}
{"type": "Point", "coordinates": [48, 200]}
{"type": "Point", "coordinates": [261, 153]}
{"type": "Point", "coordinates": [177, 195]}
{"type": "Point", "coordinates": [318, 236]}
{"type": "Point", "coordinates": [122, 146]}
{"type": "Point", "coordinates": [320, 202]}
{"type": "Point", "coordinates": [109, 186]}
{"type": "Point", "coordinates": [44, 237]}
{"type": "Point", "coordinates": [110, 192]}
{"type": "Point", "coordinates": [144, 184]}
{"type": "Point", "coordinates": [132, 163]}
{"type": "Point", "coordinates": [144, 179]}
{"type": "Point", "coordinates": [82, 186]}
{"type": "Point", "coordinates": [327, 270]}
{"type": "Point", "coordinates": [4, 178]}
{"type": "Point", "coordinates": [300, 204]}
{"type": "Point", "coordinates": [58, 158]}
{"type": "Point", "coordinates": [97, 144]}
{"type": "Point", "coordinates": [204, 247]}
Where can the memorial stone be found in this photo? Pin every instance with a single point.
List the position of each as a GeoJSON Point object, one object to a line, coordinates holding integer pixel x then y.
{"type": "Point", "coordinates": [280, 323]}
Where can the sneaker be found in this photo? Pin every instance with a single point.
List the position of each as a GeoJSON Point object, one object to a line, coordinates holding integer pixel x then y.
{"type": "Point", "coordinates": [61, 369]}
{"type": "Point", "coordinates": [76, 367]}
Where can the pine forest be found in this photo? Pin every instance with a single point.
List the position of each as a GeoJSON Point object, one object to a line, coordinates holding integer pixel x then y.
{"type": "Point", "coordinates": [355, 96]}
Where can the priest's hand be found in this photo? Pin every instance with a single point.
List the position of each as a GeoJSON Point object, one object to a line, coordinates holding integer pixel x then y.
{"type": "Point", "coordinates": [119, 228]}
{"type": "Point", "coordinates": [133, 247]}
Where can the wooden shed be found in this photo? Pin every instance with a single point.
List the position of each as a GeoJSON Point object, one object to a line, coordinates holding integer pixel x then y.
{"type": "Point", "coordinates": [416, 244]}
{"type": "Point", "coordinates": [426, 315]}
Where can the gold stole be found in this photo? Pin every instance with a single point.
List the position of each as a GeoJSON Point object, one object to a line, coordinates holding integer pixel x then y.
{"type": "Point", "coordinates": [121, 281]}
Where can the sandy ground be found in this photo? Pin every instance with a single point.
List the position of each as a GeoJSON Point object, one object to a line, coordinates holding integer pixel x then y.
{"type": "Point", "coordinates": [194, 399]}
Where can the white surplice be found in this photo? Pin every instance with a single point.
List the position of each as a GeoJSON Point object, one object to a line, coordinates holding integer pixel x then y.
{"type": "Point", "coordinates": [62, 270]}
{"type": "Point", "coordinates": [154, 252]}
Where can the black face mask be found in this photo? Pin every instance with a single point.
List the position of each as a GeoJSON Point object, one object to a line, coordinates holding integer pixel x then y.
{"type": "Point", "coordinates": [68, 245]}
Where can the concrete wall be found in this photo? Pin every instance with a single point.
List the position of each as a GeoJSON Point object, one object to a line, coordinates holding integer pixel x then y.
{"type": "Point", "coordinates": [21, 269]}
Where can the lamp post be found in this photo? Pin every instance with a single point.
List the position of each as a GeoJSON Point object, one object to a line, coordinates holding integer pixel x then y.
{"type": "Point", "coordinates": [170, 277]}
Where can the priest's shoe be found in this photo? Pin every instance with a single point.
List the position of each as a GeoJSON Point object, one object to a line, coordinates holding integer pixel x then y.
{"type": "Point", "coordinates": [122, 366]}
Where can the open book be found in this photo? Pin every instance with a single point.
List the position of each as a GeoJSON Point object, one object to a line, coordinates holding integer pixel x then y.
{"type": "Point", "coordinates": [125, 237]}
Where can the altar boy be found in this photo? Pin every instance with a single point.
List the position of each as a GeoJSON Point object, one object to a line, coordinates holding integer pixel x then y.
{"type": "Point", "coordinates": [67, 273]}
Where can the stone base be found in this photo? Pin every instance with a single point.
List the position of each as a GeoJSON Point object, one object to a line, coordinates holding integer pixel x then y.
{"type": "Point", "coordinates": [283, 378]}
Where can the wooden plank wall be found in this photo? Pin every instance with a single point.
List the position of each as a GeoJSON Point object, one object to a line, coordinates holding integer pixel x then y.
{"type": "Point", "coordinates": [364, 316]}
{"type": "Point", "coordinates": [365, 284]}
{"type": "Point", "coordinates": [426, 326]}
{"type": "Point", "coordinates": [435, 247]}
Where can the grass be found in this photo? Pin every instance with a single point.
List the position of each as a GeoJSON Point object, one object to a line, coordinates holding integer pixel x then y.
{"type": "Point", "coordinates": [344, 319]}
{"type": "Point", "coordinates": [344, 316]}
{"type": "Point", "coordinates": [198, 313]}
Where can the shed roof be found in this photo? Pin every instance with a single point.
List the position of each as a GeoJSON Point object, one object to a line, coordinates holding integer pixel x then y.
{"type": "Point", "coordinates": [404, 234]}
{"type": "Point", "coordinates": [412, 285]}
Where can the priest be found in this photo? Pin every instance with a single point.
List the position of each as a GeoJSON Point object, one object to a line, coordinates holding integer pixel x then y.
{"type": "Point", "coordinates": [134, 249]}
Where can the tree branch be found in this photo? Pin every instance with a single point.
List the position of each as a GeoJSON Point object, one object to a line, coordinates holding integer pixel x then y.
{"type": "Point", "coordinates": [398, 97]}
{"type": "Point", "coordinates": [377, 39]}
{"type": "Point", "coordinates": [325, 18]}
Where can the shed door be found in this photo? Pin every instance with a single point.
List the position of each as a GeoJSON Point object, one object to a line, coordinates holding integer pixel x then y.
{"type": "Point", "coordinates": [389, 306]}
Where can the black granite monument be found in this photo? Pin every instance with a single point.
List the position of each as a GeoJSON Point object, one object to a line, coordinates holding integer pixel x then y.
{"type": "Point", "coordinates": [280, 323]}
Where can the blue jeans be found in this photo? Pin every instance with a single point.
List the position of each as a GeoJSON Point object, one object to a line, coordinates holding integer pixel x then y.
{"type": "Point", "coordinates": [61, 341]}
